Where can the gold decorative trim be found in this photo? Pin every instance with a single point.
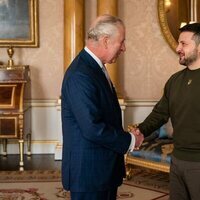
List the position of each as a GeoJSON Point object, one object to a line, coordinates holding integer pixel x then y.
{"type": "Point", "coordinates": [33, 40]}
{"type": "Point", "coordinates": [148, 164]}
{"type": "Point", "coordinates": [21, 98]}
{"type": "Point", "coordinates": [164, 26]}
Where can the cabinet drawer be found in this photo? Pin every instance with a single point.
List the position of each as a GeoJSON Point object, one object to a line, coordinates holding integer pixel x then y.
{"type": "Point", "coordinates": [7, 96]}
{"type": "Point", "coordinates": [8, 126]}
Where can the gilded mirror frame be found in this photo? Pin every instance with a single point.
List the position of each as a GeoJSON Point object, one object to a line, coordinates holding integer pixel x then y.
{"type": "Point", "coordinates": [164, 25]}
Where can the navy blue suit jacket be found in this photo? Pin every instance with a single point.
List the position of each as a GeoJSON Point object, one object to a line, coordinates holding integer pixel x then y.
{"type": "Point", "coordinates": [94, 142]}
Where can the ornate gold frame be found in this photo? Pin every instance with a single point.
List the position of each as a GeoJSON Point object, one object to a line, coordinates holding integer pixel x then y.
{"type": "Point", "coordinates": [33, 39]}
{"type": "Point", "coordinates": [131, 162]}
{"type": "Point", "coordinates": [164, 25]}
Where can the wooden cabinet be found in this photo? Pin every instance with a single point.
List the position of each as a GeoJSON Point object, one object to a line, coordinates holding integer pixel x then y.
{"type": "Point", "coordinates": [14, 88]}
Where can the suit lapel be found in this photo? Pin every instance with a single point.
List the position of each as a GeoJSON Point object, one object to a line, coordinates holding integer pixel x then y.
{"type": "Point", "coordinates": [98, 73]}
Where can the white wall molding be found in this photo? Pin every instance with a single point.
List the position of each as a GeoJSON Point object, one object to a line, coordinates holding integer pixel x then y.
{"type": "Point", "coordinates": [140, 103]}
{"type": "Point", "coordinates": [37, 147]}
{"type": "Point", "coordinates": [137, 111]}
{"type": "Point", "coordinates": [42, 102]}
{"type": "Point", "coordinates": [46, 128]}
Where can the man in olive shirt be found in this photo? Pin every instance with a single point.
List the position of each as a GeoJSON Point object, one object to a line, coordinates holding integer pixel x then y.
{"type": "Point", "coordinates": [181, 103]}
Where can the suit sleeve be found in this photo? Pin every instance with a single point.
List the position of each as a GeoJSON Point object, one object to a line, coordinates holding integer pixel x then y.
{"type": "Point", "coordinates": [86, 105]}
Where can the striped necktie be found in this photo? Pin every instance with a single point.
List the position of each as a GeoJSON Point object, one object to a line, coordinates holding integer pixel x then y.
{"type": "Point", "coordinates": [107, 76]}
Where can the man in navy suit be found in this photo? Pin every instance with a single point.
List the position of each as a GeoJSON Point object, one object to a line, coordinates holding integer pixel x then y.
{"type": "Point", "coordinates": [94, 142]}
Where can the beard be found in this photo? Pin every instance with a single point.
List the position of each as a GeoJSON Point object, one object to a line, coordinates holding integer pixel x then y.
{"type": "Point", "coordinates": [192, 57]}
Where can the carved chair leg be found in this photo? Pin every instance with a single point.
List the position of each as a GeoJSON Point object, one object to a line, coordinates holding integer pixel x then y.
{"type": "Point", "coordinates": [21, 151]}
{"type": "Point", "coordinates": [129, 172]}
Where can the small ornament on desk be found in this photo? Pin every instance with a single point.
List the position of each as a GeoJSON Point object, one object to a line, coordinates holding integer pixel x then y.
{"type": "Point", "coordinates": [10, 52]}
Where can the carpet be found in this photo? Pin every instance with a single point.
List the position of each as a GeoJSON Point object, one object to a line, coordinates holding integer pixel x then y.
{"type": "Point", "coordinates": [46, 185]}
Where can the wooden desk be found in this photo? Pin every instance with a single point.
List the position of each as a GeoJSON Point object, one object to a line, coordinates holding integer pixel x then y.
{"type": "Point", "coordinates": [14, 86]}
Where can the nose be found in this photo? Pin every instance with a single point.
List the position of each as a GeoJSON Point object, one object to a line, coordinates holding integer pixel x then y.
{"type": "Point", "coordinates": [178, 48]}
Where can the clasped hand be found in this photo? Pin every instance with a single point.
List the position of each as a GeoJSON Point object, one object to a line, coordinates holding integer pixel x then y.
{"type": "Point", "coordinates": [139, 138]}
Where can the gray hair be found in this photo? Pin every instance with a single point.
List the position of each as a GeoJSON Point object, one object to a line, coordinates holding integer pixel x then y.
{"type": "Point", "coordinates": [105, 25]}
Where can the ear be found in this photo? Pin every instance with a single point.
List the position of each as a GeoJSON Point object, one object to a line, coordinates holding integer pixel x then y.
{"type": "Point", "coordinates": [105, 42]}
{"type": "Point", "coordinates": [198, 49]}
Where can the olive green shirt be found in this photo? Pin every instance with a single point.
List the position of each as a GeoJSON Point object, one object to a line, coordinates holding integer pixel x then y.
{"type": "Point", "coordinates": [180, 102]}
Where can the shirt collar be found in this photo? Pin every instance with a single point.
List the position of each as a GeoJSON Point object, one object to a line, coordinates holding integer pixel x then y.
{"type": "Point", "coordinates": [94, 57]}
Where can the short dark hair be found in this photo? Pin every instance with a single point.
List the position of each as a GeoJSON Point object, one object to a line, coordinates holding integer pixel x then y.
{"type": "Point", "coordinates": [194, 28]}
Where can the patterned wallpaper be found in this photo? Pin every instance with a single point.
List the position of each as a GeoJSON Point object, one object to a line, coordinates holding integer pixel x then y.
{"type": "Point", "coordinates": [143, 69]}
{"type": "Point", "coordinates": [148, 61]}
{"type": "Point", "coordinates": [46, 62]}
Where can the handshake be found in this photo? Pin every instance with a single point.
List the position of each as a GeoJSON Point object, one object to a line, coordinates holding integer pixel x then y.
{"type": "Point", "coordinates": [139, 137]}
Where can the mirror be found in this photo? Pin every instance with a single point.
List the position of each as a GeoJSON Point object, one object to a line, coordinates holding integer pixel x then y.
{"type": "Point", "coordinates": [174, 14]}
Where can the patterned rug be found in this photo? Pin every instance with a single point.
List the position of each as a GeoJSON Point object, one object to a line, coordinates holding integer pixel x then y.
{"type": "Point", "coordinates": [46, 185]}
{"type": "Point", "coordinates": [150, 179]}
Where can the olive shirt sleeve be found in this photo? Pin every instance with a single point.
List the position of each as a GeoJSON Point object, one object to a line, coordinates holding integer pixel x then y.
{"type": "Point", "coordinates": [159, 114]}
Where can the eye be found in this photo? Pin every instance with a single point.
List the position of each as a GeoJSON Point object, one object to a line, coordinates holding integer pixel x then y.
{"type": "Point", "coordinates": [184, 43]}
